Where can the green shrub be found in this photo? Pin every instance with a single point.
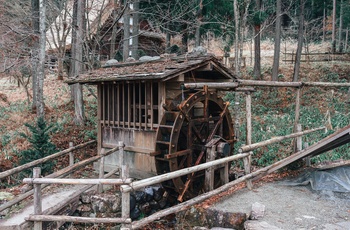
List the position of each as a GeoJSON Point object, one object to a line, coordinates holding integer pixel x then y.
{"type": "Point", "coordinates": [41, 145]}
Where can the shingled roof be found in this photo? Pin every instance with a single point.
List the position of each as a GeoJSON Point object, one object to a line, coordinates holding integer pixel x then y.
{"type": "Point", "coordinates": [163, 69]}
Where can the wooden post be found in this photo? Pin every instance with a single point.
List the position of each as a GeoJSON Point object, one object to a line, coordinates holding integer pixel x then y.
{"type": "Point", "coordinates": [121, 157]}
{"type": "Point", "coordinates": [71, 154]}
{"type": "Point", "coordinates": [247, 160]}
{"type": "Point", "coordinates": [124, 174]}
{"type": "Point", "coordinates": [209, 172]}
{"type": "Point", "coordinates": [299, 139]}
{"type": "Point", "coordinates": [308, 158]}
{"type": "Point", "coordinates": [38, 225]}
{"type": "Point", "coordinates": [101, 170]}
{"type": "Point", "coordinates": [297, 115]}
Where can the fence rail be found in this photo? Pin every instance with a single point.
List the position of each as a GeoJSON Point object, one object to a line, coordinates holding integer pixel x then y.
{"type": "Point", "coordinates": [127, 186]}
{"type": "Point", "coordinates": [59, 173]}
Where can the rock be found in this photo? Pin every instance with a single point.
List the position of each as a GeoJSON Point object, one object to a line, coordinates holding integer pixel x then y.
{"type": "Point", "coordinates": [111, 62]}
{"type": "Point", "coordinates": [135, 213]}
{"type": "Point", "coordinates": [130, 59]}
{"type": "Point", "coordinates": [145, 208]}
{"type": "Point", "coordinates": [199, 228]}
{"type": "Point", "coordinates": [213, 218]}
{"type": "Point", "coordinates": [133, 202]}
{"type": "Point", "coordinates": [86, 196]}
{"type": "Point", "coordinates": [258, 211]}
{"type": "Point", "coordinates": [218, 218]}
{"type": "Point", "coordinates": [106, 203]}
{"type": "Point", "coordinates": [162, 203]}
{"type": "Point", "coordinates": [84, 208]}
{"type": "Point", "coordinates": [149, 58]}
{"type": "Point", "coordinates": [198, 51]}
{"type": "Point", "coordinates": [154, 205]}
{"type": "Point", "coordinates": [158, 193]}
{"type": "Point", "coordinates": [140, 197]}
{"type": "Point", "coordinates": [259, 225]}
{"type": "Point", "coordinates": [149, 193]}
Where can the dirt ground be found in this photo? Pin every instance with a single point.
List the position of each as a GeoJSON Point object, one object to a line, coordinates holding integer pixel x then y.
{"type": "Point", "coordinates": [292, 207]}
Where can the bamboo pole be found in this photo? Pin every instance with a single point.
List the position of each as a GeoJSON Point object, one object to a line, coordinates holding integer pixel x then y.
{"type": "Point", "coordinates": [168, 176]}
{"type": "Point", "coordinates": [251, 147]}
{"type": "Point", "coordinates": [38, 225]}
{"type": "Point", "coordinates": [77, 219]}
{"type": "Point", "coordinates": [76, 181]}
{"type": "Point", "coordinates": [42, 160]}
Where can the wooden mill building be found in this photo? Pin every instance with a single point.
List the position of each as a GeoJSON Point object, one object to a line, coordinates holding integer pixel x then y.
{"type": "Point", "coordinates": [142, 104]}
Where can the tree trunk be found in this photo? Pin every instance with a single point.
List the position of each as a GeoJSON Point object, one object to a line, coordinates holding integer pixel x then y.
{"type": "Point", "coordinates": [199, 22]}
{"type": "Point", "coordinates": [77, 58]}
{"type": "Point", "coordinates": [135, 30]}
{"type": "Point", "coordinates": [276, 56]}
{"type": "Point", "coordinates": [237, 30]}
{"type": "Point", "coordinates": [126, 40]}
{"type": "Point", "coordinates": [324, 22]}
{"type": "Point", "coordinates": [35, 52]}
{"type": "Point", "coordinates": [300, 41]}
{"type": "Point", "coordinates": [257, 58]}
{"type": "Point", "coordinates": [341, 46]}
{"type": "Point", "coordinates": [40, 107]}
{"type": "Point", "coordinates": [114, 31]}
{"type": "Point", "coordinates": [333, 26]}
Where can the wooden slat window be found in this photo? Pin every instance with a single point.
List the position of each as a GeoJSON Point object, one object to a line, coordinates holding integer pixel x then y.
{"type": "Point", "coordinates": [132, 105]}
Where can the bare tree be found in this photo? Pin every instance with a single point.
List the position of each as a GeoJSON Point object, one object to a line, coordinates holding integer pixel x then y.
{"type": "Point", "coordinates": [59, 31]}
{"type": "Point", "coordinates": [277, 50]}
{"type": "Point", "coordinates": [334, 19]}
{"type": "Point", "coordinates": [300, 41]}
{"type": "Point", "coordinates": [77, 58]}
{"type": "Point", "coordinates": [257, 35]}
{"type": "Point", "coordinates": [126, 38]}
{"type": "Point", "coordinates": [40, 107]}
{"type": "Point", "coordinates": [341, 45]}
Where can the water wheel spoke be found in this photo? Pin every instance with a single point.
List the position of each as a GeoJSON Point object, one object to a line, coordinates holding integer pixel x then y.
{"type": "Point", "coordinates": [218, 123]}
{"type": "Point", "coordinates": [191, 121]}
{"type": "Point", "coordinates": [189, 178]}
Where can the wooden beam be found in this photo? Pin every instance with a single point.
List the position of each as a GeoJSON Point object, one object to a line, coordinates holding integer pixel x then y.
{"type": "Point", "coordinates": [290, 84]}
{"type": "Point", "coordinates": [214, 85]}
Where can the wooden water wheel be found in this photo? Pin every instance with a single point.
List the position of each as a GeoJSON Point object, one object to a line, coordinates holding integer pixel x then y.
{"type": "Point", "coordinates": [191, 121]}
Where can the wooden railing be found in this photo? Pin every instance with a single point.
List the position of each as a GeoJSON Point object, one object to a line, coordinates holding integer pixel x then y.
{"type": "Point", "coordinates": [127, 186]}
{"type": "Point", "coordinates": [59, 173]}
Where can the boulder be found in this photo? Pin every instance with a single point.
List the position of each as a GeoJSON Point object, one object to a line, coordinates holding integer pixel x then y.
{"type": "Point", "coordinates": [258, 211]}
{"type": "Point", "coordinates": [149, 58]}
{"type": "Point", "coordinates": [111, 62]}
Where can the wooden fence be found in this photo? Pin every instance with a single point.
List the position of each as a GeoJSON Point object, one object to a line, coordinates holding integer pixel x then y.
{"type": "Point", "coordinates": [60, 173]}
{"type": "Point", "coordinates": [127, 186]}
